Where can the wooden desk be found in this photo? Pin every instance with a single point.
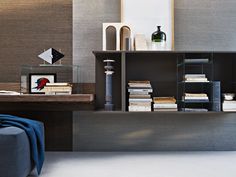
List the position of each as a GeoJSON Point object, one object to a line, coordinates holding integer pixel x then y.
{"type": "Point", "coordinates": [55, 111]}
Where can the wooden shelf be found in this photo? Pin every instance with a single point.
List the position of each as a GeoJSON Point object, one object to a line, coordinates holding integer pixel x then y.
{"type": "Point", "coordinates": [74, 98]}
{"type": "Point", "coordinates": [33, 102]}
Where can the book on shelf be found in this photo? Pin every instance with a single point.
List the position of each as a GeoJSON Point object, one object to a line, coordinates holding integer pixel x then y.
{"type": "Point", "coordinates": [195, 95]}
{"type": "Point", "coordinates": [57, 89]}
{"type": "Point", "coordinates": [164, 100]}
{"type": "Point", "coordinates": [164, 104]}
{"type": "Point", "coordinates": [140, 100]}
{"type": "Point", "coordinates": [140, 96]}
{"type": "Point", "coordinates": [140, 108]}
{"type": "Point", "coordinates": [166, 109]}
{"type": "Point", "coordinates": [229, 105]}
{"type": "Point", "coordinates": [58, 93]}
{"type": "Point", "coordinates": [229, 102]}
{"type": "Point", "coordinates": [195, 98]}
{"type": "Point", "coordinates": [140, 82]}
{"type": "Point", "coordinates": [168, 106]}
{"type": "Point", "coordinates": [196, 60]}
{"type": "Point", "coordinates": [186, 76]}
{"type": "Point", "coordinates": [58, 84]}
{"type": "Point", "coordinates": [138, 93]}
{"type": "Point", "coordinates": [195, 78]}
{"type": "Point", "coordinates": [140, 104]}
{"type": "Point", "coordinates": [194, 110]}
{"type": "Point", "coordinates": [139, 89]}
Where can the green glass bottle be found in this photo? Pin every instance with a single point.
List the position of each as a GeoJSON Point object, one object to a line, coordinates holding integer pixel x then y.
{"type": "Point", "coordinates": [158, 36]}
{"type": "Point", "coordinates": [158, 40]}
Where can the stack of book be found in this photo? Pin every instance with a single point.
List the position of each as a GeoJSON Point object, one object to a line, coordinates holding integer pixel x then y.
{"type": "Point", "coordinates": [58, 89]}
{"type": "Point", "coordinates": [229, 106]}
{"type": "Point", "coordinates": [140, 96]}
{"type": "Point", "coordinates": [195, 97]}
{"type": "Point", "coordinates": [164, 104]}
{"type": "Point", "coordinates": [195, 78]}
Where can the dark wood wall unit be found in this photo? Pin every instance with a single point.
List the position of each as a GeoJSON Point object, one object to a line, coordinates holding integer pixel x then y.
{"type": "Point", "coordinates": [29, 27]}
{"type": "Point", "coordinates": [123, 131]}
{"type": "Point", "coordinates": [58, 127]}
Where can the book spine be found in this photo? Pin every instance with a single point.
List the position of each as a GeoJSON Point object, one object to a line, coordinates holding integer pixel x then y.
{"type": "Point", "coordinates": [140, 100]}
{"type": "Point", "coordinates": [140, 90]}
{"type": "Point", "coordinates": [140, 108]}
{"type": "Point", "coordinates": [165, 106]}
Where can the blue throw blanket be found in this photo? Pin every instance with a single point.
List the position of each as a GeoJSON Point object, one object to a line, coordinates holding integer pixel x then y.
{"type": "Point", "coordinates": [35, 133]}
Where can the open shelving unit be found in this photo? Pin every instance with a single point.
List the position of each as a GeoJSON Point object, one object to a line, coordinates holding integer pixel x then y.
{"type": "Point", "coordinates": [165, 70]}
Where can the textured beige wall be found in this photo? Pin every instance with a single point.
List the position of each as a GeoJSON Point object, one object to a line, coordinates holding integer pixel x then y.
{"type": "Point", "coordinates": [88, 17]}
{"type": "Point", "coordinates": [27, 27]}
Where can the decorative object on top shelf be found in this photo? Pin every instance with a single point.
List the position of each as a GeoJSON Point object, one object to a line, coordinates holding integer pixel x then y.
{"type": "Point", "coordinates": [117, 36]}
{"type": "Point", "coordinates": [51, 56]}
{"type": "Point", "coordinates": [37, 82]}
{"type": "Point", "coordinates": [140, 42]}
{"type": "Point", "coordinates": [158, 39]}
{"type": "Point", "coordinates": [109, 72]}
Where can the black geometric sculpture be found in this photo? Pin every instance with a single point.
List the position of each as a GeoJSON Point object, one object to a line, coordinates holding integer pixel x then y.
{"type": "Point", "coordinates": [51, 55]}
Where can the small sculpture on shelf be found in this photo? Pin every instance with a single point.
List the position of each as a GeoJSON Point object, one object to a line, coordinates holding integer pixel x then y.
{"type": "Point", "coordinates": [109, 72]}
{"type": "Point", "coordinates": [51, 56]}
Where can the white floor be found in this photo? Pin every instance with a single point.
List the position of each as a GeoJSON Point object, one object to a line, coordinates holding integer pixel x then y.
{"type": "Point", "coordinates": [140, 164]}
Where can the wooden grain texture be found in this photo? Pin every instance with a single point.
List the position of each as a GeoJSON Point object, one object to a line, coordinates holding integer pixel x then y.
{"type": "Point", "coordinates": [10, 86]}
{"type": "Point", "coordinates": [27, 28]}
{"type": "Point", "coordinates": [37, 98]}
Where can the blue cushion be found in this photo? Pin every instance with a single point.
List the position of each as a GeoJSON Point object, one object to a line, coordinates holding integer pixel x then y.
{"type": "Point", "coordinates": [14, 152]}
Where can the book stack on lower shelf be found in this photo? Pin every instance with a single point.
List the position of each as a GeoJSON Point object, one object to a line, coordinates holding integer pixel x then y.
{"type": "Point", "coordinates": [140, 96]}
{"type": "Point", "coordinates": [195, 78]}
{"type": "Point", "coordinates": [195, 97]}
{"type": "Point", "coordinates": [164, 104]}
{"type": "Point", "coordinates": [229, 106]}
{"type": "Point", "coordinates": [58, 89]}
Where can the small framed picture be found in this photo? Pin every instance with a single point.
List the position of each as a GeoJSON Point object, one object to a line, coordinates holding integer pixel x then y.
{"type": "Point", "coordinates": [38, 81]}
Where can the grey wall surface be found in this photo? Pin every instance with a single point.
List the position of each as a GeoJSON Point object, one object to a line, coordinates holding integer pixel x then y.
{"type": "Point", "coordinates": [205, 25]}
{"type": "Point", "coordinates": [88, 17]}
